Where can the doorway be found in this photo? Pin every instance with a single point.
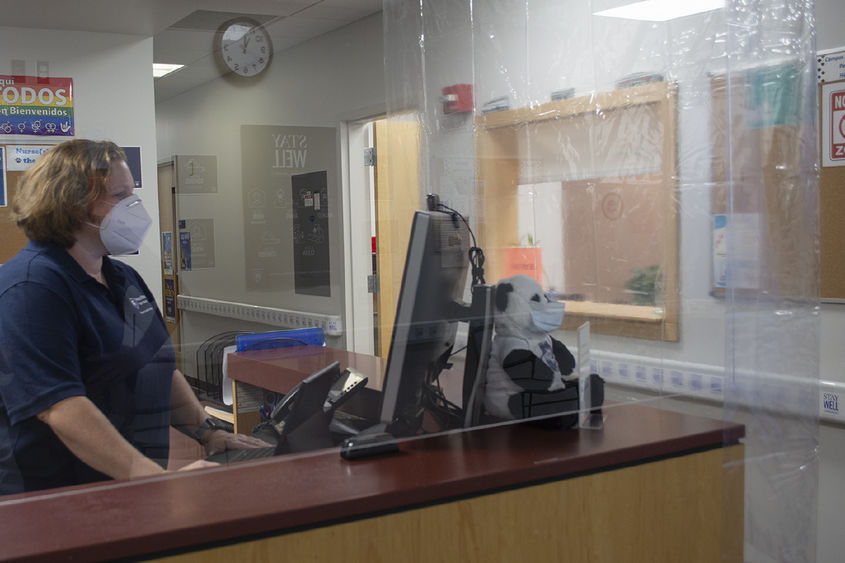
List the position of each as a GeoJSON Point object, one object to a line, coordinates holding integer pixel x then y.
{"type": "Point", "coordinates": [382, 179]}
{"type": "Point", "coordinates": [360, 226]}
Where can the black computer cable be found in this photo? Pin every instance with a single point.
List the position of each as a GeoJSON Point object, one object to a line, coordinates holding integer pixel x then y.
{"type": "Point", "coordinates": [448, 414]}
{"type": "Point", "coordinates": [476, 254]}
{"type": "Point", "coordinates": [458, 351]}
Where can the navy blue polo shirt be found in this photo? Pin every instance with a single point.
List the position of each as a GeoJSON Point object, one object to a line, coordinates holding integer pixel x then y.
{"type": "Point", "coordinates": [63, 334]}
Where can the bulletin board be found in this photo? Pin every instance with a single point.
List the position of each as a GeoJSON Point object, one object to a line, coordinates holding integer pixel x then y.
{"type": "Point", "coordinates": [831, 221]}
{"type": "Point", "coordinates": [12, 238]}
{"type": "Point", "coordinates": [757, 184]}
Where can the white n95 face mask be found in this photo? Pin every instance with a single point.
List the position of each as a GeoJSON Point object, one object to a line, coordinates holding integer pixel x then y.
{"type": "Point", "coordinates": [124, 227]}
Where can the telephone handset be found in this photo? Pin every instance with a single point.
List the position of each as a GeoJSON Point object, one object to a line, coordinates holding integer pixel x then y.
{"type": "Point", "coordinates": [346, 385]}
{"type": "Point", "coordinates": [349, 382]}
{"type": "Point", "coordinates": [283, 407]}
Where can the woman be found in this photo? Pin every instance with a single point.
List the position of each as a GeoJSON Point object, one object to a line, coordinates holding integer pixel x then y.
{"type": "Point", "coordinates": [88, 385]}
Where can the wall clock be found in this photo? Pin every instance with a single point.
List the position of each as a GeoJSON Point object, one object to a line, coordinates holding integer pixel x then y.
{"type": "Point", "coordinates": [243, 48]}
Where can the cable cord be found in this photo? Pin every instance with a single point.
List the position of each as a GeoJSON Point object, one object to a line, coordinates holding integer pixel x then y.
{"type": "Point", "coordinates": [448, 414]}
{"type": "Point", "coordinates": [476, 254]}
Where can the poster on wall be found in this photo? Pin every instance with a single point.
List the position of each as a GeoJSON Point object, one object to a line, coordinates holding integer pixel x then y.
{"type": "Point", "coordinates": [830, 65]}
{"type": "Point", "coordinates": [196, 174]}
{"type": "Point", "coordinates": [185, 250]}
{"type": "Point", "coordinates": [31, 105]}
{"type": "Point", "coordinates": [198, 237]}
{"type": "Point", "coordinates": [133, 160]}
{"type": "Point", "coordinates": [833, 124]}
{"type": "Point", "coordinates": [736, 250]}
{"type": "Point", "coordinates": [21, 157]}
{"type": "Point", "coordinates": [310, 233]}
{"type": "Point", "coordinates": [273, 158]}
{"type": "Point", "coordinates": [167, 252]}
{"type": "Point", "coordinates": [170, 300]}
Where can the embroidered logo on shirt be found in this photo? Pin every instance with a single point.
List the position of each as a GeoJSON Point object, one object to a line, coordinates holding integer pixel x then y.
{"type": "Point", "coordinates": [141, 304]}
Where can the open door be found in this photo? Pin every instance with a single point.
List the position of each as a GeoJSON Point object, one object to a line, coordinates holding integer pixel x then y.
{"type": "Point", "coordinates": [397, 197]}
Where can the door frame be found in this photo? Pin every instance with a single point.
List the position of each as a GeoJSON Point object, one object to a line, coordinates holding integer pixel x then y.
{"type": "Point", "coordinates": [357, 229]}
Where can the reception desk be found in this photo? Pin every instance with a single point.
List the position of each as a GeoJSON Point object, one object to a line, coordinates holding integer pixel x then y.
{"type": "Point", "coordinates": [280, 369]}
{"type": "Point", "coordinates": [653, 485]}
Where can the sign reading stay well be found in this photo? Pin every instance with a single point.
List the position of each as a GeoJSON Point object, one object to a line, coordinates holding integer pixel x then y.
{"type": "Point", "coordinates": [30, 105]}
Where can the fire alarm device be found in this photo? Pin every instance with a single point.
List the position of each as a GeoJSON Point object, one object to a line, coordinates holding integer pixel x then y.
{"type": "Point", "coordinates": [457, 98]}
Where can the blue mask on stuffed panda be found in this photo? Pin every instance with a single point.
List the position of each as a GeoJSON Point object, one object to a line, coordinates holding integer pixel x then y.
{"type": "Point", "coordinates": [547, 317]}
{"type": "Point", "coordinates": [522, 306]}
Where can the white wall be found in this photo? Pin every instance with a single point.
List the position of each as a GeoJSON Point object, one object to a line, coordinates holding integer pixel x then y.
{"type": "Point", "coordinates": [113, 100]}
{"type": "Point", "coordinates": [830, 24]}
{"type": "Point", "coordinates": [335, 77]}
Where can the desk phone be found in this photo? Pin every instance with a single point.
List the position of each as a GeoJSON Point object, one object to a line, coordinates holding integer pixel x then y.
{"type": "Point", "coordinates": [300, 421]}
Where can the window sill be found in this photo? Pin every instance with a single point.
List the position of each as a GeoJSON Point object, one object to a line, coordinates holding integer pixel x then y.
{"type": "Point", "coordinates": [635, 321]}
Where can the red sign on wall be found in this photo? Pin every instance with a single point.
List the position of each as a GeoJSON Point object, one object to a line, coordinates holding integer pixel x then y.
{"type": "Point", "coordinates": [837, 125]}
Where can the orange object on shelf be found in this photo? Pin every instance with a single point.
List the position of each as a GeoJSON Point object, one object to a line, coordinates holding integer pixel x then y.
{"type": "Point", "coordinates": [526, 260]}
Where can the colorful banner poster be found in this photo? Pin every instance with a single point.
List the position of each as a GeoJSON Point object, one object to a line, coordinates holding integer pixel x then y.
{"type": "Point", "coordinates": [30, 105]}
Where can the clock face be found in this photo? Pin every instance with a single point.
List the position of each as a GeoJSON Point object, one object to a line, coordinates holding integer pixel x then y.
{"type": "Point", "coordinates": [243, 47]}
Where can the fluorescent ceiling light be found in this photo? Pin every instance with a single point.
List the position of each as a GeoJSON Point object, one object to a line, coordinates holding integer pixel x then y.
{"type": "Point", "coordinates": [160, 69]}
{"type": "Point", "coordinates": [662, 10]}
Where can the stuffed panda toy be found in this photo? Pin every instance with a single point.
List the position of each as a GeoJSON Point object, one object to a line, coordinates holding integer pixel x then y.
{"type": "Point", "coordinates": [530, 374]}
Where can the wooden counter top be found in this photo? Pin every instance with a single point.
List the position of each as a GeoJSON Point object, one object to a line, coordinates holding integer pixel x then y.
{"type": "Point", "coordinates": [280, 369]}
{"type": "Point", "coordinates": [189, 510]}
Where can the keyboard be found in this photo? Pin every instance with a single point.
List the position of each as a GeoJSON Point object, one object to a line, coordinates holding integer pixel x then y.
{"type": "Point", "coordinates": [246, 454]}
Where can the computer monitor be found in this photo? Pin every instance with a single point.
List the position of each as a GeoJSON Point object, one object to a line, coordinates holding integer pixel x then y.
{"type": "Point", "coordinates": [427, 315]}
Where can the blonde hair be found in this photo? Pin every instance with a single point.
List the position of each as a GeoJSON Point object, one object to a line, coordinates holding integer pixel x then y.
{"type": "Point", "coordinates": [55, 196]}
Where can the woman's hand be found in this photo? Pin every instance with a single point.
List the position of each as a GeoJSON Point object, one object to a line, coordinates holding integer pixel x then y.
{"type": "Point", "coordinates": [220, 440]}
{"type": "Point", "coordinates": [199, 464]}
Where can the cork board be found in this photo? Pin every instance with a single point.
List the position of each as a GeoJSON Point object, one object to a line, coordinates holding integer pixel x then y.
{"type": "Point", "coordinates": [12, 238]}
{"type": "Point", "coordinates": [831, 225]}
{"type": "Point", "coordinates": [759, 184]}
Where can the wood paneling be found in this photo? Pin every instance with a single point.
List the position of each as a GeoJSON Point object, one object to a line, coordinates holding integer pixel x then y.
{"type": "Point", "coordinates": [397, 199]}
{"type": "Point", "coordinates": [760, 181]}
{"type": "Point", "coordinates": [686, 508]}
{"type": "Point", "coordinates": [290, 494]}
{"type": "Point", "coordinates": [12, 238]}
